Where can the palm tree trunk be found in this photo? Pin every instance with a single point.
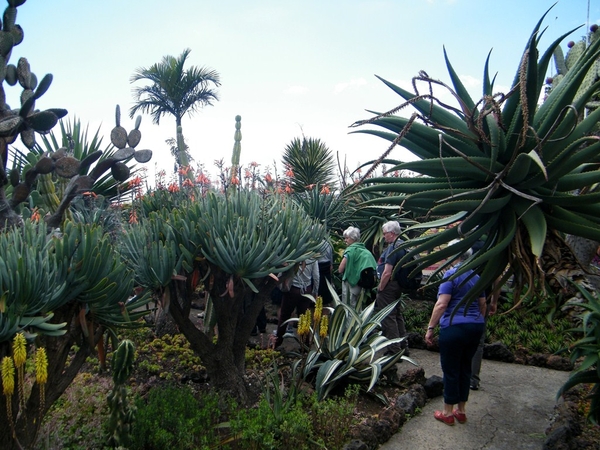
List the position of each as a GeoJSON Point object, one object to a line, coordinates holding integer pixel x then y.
{"type": "Point", "coordinates": [183, 159]}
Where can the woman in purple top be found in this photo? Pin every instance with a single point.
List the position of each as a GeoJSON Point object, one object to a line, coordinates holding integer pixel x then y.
{"type": "Point", "coordinates": [458, 341]}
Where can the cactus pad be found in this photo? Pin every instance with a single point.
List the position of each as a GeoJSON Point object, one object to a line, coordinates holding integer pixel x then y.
{"type": "Point", "coordinates": [67, 167]}
{"type": "Point", "coordinates": [42, 121]}
{"type": "Point", "coordinates": [123, 153]}
{"type": "Point", "coordinates": [28, 138]}
{"type": "Point", "coordinates": [44, 165]}
{"type": "Point", "coordinates": [20, 193]}
{"type": "Point", "coordinates": [143, 156]}
{"type": "Point", "coordinates": [120, 171]}
{"type": "Point", "coordinates": [118, 137]}
{"type": "Point", "coordinates": [134, 137]}
{"type": "Point", "coordinates": [89, 160]}
{"type": "Point", "coordinates": [23, 72]}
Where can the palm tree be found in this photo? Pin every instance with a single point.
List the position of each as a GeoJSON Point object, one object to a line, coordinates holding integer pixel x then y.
{"type": "Point", "coordinates": [174, 91]}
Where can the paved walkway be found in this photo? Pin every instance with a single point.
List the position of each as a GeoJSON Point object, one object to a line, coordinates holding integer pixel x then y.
{"type": "Point", "coordinates": [510, 411]}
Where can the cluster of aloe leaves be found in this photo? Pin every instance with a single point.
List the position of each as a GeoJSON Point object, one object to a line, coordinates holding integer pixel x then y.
{"type": "Point", "coordinates": [504, 169]}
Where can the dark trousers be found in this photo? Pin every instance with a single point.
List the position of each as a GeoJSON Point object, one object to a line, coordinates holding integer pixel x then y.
{"type": "Point", "coordinates": [261, 321]}
{"type": "Point", "coordinates": [325, 274]}
{"type": "Point", "coordinates": [458, 343]}
{"type": "Point", "coordinates": [292, 300]}
{"type": "Point", "coordinates": [477, 360]}
{"type": "Point", "coordinates": [393, 325]}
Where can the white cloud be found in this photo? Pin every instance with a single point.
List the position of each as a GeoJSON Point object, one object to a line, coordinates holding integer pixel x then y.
{"type": "Point", "coordinates": [348, 84]}
{"type": "Point", "coordinates": [296, 90]}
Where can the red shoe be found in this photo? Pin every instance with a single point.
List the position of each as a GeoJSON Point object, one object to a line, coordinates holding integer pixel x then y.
{"type": "Point", "coordinates": [461, 417]}
{"type": "Point", "coordinates": [439, 415]}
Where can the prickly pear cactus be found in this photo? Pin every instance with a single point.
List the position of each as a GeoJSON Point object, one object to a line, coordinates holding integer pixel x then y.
{"type": "Point", "coordinates": [35, 182]}
{"type": "Point", "coordinates": [25, 120]}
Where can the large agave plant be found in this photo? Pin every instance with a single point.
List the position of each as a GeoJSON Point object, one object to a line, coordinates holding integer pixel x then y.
{"type": "Point", "coordinates": [503, 169]}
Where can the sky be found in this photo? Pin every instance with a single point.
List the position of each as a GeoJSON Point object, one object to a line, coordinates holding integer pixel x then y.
{"type": "Point", "coordinates": [288, 68]}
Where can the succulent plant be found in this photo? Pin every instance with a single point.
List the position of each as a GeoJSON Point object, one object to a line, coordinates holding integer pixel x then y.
{"type": "Point", "coordinates": [502, 169]}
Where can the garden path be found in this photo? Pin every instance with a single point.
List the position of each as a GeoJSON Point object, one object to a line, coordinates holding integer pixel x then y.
{"type": "Point", "coordinates": [511, 410]}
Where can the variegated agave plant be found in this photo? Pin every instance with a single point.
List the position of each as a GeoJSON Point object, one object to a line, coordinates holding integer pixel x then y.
{"type": "Point", "coordinates": [503, 169]}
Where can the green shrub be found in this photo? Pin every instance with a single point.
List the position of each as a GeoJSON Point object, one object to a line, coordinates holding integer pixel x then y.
{"type": "Point", "coordinates": [333, 417]}
{"type": "Point", "coordinates": [75, 420]}
{"type": "Point", "coordinates": [260, 428]}
{"type": "Point", "coordinates": [172, 418]}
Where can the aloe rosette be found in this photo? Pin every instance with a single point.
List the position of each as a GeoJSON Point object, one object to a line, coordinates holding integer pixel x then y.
{"type": "Point", "coordinates": [504, 169]}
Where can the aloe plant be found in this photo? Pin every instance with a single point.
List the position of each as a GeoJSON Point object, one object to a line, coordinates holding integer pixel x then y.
{"type": "Point", "coordinates": [502, 169]}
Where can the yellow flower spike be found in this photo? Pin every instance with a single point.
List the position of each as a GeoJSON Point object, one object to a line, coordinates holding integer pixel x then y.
{"type": "Point", "coordinates": [8, 376]}
{"type": "Point", "coordinates": [304, 324]}
{"type": "Point", "coordinates": [19, 350]}
{"type": "Point", "coordinates": [324, 327]}
{"type": "Point", "coordinates": [20, 355]}
{"type": "Point", "coordinates": [8, 387]}
{"type": "Point", "coordinates": [41, 374]}
{"type": "Point", "coordinates": [41, 366]}
{"type": "Point", "coordinates": [301, 326]}
{"type": "Point", "coordinates": [318, 310]}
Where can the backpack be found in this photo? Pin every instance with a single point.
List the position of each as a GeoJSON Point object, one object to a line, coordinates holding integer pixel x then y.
{"type": "Point", "coordinates": [404, 280]}
{"type": "Point", "coordinates": [368, 278]}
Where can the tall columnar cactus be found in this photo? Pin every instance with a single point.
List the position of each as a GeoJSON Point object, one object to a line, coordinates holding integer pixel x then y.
{"type": "Point", "coordinates": [122, 414]}
{"type": "Point", "coordinates": [564, 63]}
{"type": "Point", "coordinates": [237, 150]}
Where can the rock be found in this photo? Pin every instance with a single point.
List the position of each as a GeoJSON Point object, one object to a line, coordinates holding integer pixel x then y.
{"type": "Point", "coordinates": [383, 431]}
{"type": "Point", "coordinates": [537, 359]}
{"type": "Point", "coordinates": [498, 352]}
{"type": "Point", "coordinates": [394, 417]}
{"type": "Point", "coordinates": [365, 433]}
{"type": "Point", "coordinates": [564, 428]}
{"type": "Point", "coordinates": [558, 439]}
{"type": "Point", "coordinates": [412, 376]}
{"type": "Point", "coordinates": [434, 386]}
{"type": "Point", "coordinates": [559, 363]}
{"type": "Point", "coordinates": [419, 393]}
{"type": "Point", "coordinates": [416, 340]}
{"type": "Point", "coordinates": [355, 444]}
{"type": "Point", "coordinates": [407, 402]}
{"type": "Point", "coordinates": [411, 400]}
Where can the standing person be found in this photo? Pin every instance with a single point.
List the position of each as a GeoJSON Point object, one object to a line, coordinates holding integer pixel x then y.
{"type": "Point", "coordinates": [478, 357]}
{"type": "Point", "coordinates": [305, 281]}
{"type": "Point", "coordinates": [458, 341]}
{"type": "Point", "coordinates": [389, 289]}
{"type": "Point", "coordinates": [325, 262]}
{"type": "Point", "coordinates": [356, 258]}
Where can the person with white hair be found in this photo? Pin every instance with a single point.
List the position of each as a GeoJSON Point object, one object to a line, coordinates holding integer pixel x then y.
{"type": "Point", "coordinates": [458, 338]}
{"type": "Point", "coordinates": [389, 290]}
{"type": "Point", "coordinates": [356, 259]}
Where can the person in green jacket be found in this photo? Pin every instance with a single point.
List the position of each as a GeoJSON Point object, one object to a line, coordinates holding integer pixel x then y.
{"type": "Point", "coordinates": [356, 258]}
